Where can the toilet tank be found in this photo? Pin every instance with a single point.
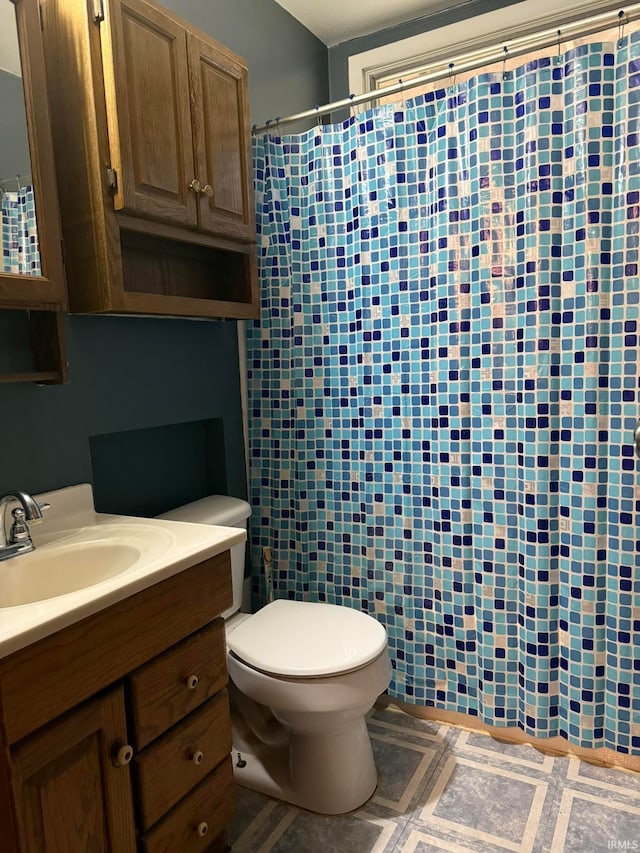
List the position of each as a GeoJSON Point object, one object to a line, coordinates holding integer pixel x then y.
{"type": "Point", "coordinates": [226, 512]}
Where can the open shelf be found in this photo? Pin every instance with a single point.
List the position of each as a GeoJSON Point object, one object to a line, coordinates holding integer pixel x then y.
{"type": "Point", "coordinates": [161, 267]}
{"type": "Point", "coordinates": [45, 377]}
{"type": "Point", "coordinates": [32, 347]}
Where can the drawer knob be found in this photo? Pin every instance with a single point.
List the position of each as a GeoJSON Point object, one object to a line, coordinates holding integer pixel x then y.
{"type": "Point", "coordinates": [207, 190]}
{"type": "Point", "coordinates": [202, 829]}
{"type": "Point", "coordinates": [122, 756]}
{"type": "Point", "coordinates": [197, 757]}
{"type": "Point", "coordinates": [195, 186]}
{"type": "Point", "coordinates": [192, 682]}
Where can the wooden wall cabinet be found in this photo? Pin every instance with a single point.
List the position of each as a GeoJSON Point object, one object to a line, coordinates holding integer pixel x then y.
{"type": "Point", "coordinates": [115, 731]}
{"type": "Point", "coordinates": [43, 297]}
{"type": "Point", "coordinates": [152, 141]}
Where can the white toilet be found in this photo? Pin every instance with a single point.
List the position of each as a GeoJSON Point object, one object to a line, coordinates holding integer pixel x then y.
{"type": "Point", "coordinates": [303, 676]}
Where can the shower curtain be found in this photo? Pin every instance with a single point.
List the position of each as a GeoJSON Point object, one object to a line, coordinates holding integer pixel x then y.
{"type": "Point", "coordinates": [443, 387]}
{"type": "Point", "coordinates": [20, 252]}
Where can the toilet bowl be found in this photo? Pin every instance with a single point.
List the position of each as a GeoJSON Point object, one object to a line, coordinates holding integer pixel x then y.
{"type": "Point", "coordinates": [315, 670]}
{"type": "Point", "coordinates": [303, 675]}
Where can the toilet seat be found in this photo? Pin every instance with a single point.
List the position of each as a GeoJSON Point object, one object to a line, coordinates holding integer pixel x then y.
{"type": "Point", "coordinates": [301, 639]}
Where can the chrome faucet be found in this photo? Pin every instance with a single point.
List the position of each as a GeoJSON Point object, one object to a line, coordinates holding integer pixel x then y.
{"type": "Point", "coordinates": [19, 539]}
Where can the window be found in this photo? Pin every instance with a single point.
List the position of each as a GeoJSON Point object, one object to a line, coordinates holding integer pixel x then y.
{"type": "Point", "coordinates": [471, 42]}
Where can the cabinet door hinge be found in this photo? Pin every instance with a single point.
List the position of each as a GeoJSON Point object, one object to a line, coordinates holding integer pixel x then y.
{"type": "Point", "coordinates": [112, 180]}
{"type": "Point", "coordinates": [98, 11]}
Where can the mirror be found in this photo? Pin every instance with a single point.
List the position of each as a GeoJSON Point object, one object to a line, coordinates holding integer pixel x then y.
{"type": "Point", "coordinates": [27, 171]}
{"type": "Point", "coordinates": [20, 247]}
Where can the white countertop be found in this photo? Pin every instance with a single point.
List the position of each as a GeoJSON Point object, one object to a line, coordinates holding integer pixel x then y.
{"type": "Point", "coordinates": [169, 548]}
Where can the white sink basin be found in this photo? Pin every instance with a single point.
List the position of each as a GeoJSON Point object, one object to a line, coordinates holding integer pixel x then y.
{"type": "Point", "coordinates": [47, 573]}
{"type": "Point", "coordinates": [86, 561]}
{"type": "Point", "coordinates": [70, 561]}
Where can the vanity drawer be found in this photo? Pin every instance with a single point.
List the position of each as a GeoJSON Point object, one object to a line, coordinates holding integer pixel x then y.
{"type": "Point", "coordinates": [180, 759]}
{"type": "Point", "coordinates": [178, 681]}
{"type": "Point", "coordinates": [53, 675]}
{"type": "Point", "coordinates": [197, 819]}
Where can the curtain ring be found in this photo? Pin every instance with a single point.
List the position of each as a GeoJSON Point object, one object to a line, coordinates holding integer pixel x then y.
{"type": "Point", "coordinates": [505, 51]}
{"type": "Point", "coordinates": [351, 97]}
{"type": "Point", "coordinates": [558, 59]}
{"type": "Point", "coordinates": [452, 76]}
{"type": "Point", "coordinates": [621, 23]}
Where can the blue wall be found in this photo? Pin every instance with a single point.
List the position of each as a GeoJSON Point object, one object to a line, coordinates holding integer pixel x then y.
{"type": "Point", "coordinates": [287, 64]}
{"type": "Point", "coordinates": [138, 373]}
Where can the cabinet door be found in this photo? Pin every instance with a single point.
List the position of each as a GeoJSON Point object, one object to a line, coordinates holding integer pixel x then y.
{"type": "Point", "coordinates": [148, 112]}
{"type": "Point", "coordinates": [220, 117]}
{"type": "Point", "coordinates": [71, 796]}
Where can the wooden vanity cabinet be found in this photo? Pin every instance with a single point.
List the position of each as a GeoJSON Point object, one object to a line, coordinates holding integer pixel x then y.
{"type": "Point", "coordinates": [70, 793]}
{"type": "Point", "coordinates": [152, 140]}
{"type": "Point", "coordinates": [115, 731]}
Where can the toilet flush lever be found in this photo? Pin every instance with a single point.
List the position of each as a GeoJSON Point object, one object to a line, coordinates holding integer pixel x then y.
{"type": "Point", "coordinates": [241, 762]}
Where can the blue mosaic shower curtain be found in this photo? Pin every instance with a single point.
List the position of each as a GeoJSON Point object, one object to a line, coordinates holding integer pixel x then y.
{"type": "Point", "coordinates": [20, 251]}
{"type": "Point", "coordinates": [444, 385]}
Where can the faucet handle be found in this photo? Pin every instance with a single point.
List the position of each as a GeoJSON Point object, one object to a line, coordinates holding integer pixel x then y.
{"type": "Point", "coordinates": [19, 530]}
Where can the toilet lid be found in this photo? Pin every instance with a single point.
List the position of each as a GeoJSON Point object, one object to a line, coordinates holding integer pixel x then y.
{"type": "Point", "coordinates": [303, 639]}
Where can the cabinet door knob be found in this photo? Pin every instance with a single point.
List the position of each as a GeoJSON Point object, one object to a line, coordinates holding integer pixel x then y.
{"type": "Point", "coordinates": [198, 756]}
{"type": "Point", "coordinates": [122, 755]}
{"type": "Point", "coordinates": [195, 186]}
{"type": "Point", "coordinates": [207, 190]}
{"type": "Point", "coordinates": [202, 828]}
{"type": "Point", "coordinates": [192, 682]}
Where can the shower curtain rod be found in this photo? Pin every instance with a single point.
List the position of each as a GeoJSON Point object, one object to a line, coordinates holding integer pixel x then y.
{"type": "Point", "coordinates": [20, 180]}
{"type": "Point", "coordinates": [518, 47]}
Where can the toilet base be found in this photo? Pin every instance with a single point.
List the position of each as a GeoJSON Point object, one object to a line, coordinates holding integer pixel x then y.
{"type": "Point", "coordinates": [328, 773]}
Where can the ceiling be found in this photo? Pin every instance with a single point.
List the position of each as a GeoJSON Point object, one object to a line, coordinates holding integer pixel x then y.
{"type": "Point", "coordinates": [335, 21]}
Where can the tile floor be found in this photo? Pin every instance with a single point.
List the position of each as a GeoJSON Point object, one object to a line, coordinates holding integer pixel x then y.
{"type": "Point", "coordinates": [447, 789]}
